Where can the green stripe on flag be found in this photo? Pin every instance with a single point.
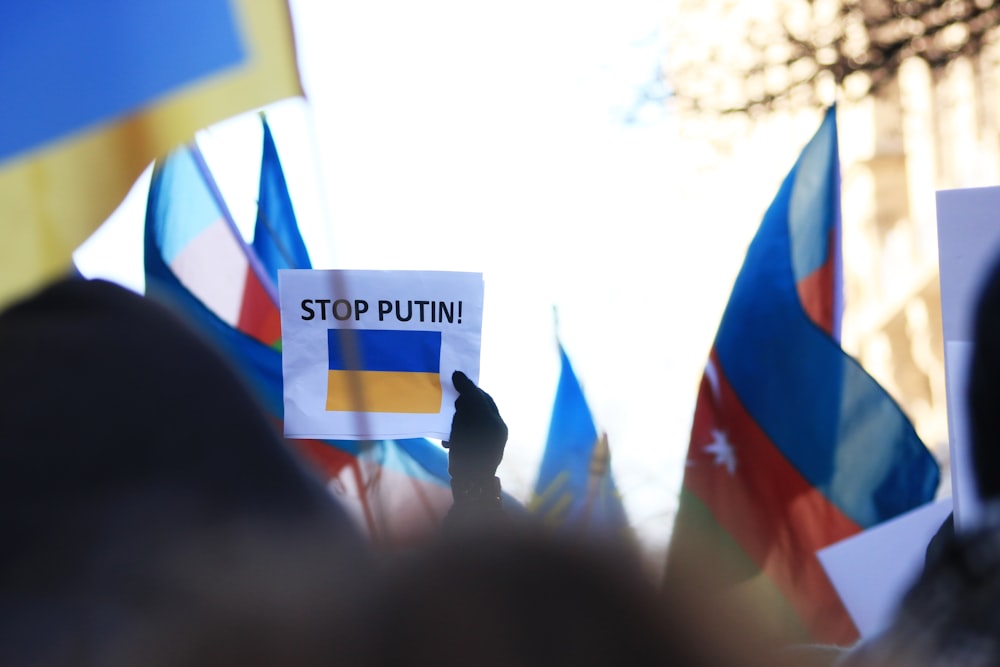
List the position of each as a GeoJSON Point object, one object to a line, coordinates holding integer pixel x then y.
{"type": "Point", "coordinates": [702, 551]}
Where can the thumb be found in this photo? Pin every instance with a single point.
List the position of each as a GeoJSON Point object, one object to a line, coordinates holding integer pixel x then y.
{"type": "Point", "coordinates": [462, 382]}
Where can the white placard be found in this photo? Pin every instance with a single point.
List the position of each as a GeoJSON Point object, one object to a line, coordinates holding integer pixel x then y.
{"type": "Point", "coordinates": [968, 222]}
{"type": "Point", "coordinates": [872, 570]}
{"type": "Point", "coordinates": [968, 508]}
{"type": "Point", "coordinates": [369, 355]}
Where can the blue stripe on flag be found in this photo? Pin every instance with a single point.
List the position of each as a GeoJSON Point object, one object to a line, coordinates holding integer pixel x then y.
{"type": "Point", "coordinates": [385, 350]}
{"type": "Point", "coordinates": [276, 238]}
{"type": "Point", "coordinates": [189, 215]}
{"type": "Point", "coordinates": [811, 208]}
{"type": "Point", "coordinates": [71, 65]}
{"type": "Point", "coordinates": [572, 433]}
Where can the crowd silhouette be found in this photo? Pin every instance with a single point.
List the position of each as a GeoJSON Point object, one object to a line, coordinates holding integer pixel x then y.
{"type": "Point", "coordinates": [152, 515]}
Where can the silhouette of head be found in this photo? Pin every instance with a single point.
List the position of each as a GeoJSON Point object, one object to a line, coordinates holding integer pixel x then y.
{"type": "Point", "coordinates": [151, 512]}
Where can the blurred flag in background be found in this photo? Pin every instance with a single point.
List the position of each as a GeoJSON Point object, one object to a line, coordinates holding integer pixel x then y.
{"type": "Point", "coordinates": [575, 489]}
{"type": "Point", "coordinates": [94, 92]}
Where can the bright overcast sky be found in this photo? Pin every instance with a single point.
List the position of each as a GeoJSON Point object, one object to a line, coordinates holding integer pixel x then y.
{"type": "Point", "coordinates": [492, 137]}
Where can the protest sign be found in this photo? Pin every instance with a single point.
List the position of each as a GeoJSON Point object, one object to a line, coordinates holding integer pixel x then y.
{"type": "Point", "coordinates": [968, 246]}
{"type": "Point", "coordinates": [872, 570]}
{"type": "Point", "coordinates": [369, 355]}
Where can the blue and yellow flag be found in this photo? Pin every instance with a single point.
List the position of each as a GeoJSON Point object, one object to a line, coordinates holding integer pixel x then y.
{"type": "Point", "coordinates": [575, 488]}
{"type": "Point", "coordinates": [101, 90]}
{"type": "Point", "coordinates": [389, 370]}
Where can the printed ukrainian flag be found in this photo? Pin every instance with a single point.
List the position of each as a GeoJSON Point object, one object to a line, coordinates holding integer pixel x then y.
{"type": "Point", "coordinates": [381, 370]}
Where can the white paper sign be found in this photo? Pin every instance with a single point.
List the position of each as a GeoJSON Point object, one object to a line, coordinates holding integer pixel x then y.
{"type": "Point", "coordinates": [872, 570]}
{"type": "Point", "coordinates": [965, 494]}
{"type": "Point", "coordinates": [369, 355]}
{"type": "Point", "coordinates": [968, 246]}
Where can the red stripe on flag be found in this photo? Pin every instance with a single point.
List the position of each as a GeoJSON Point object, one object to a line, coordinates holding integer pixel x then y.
{"type": "Point", "coordinates": [816, 292]}
{"type": "Point", "coordinates": [396, 509]}
{"type": "Point", "coordinates": [755, 494]}
{"type": "Point", "coordinates": [259, 316]}
{"type": "Point", "coordinates": [329, 461]}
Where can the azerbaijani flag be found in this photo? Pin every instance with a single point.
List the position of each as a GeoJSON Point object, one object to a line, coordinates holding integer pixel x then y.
{"type": "Point", "coordinates": [384, 370]}
{"type": "Point", "coordinates": [793, 445]}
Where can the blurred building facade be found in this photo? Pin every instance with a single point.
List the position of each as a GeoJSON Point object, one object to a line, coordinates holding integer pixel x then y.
{"type": "Point", "coordinates": [926, 131]}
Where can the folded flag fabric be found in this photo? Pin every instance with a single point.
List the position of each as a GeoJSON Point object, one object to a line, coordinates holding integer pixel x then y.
{"type": "Point", "coordinates": [139, 81]}
{"type": "Point", "coordinates": [204, 252]}
{"type": "Point", "coordinates": [793, 445]}
{"type": "Point", "coordinates": [384, 370]}
{"type": "Point", "coordinates": [575, 488]}
{"type": "Point", "coordinates": [276, 239]}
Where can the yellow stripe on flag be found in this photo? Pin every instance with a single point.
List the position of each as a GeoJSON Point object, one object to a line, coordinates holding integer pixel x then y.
{"type": "Point", "coordinates": [383, 391]}
{"type": "Point", "coordinates": [53, 199]}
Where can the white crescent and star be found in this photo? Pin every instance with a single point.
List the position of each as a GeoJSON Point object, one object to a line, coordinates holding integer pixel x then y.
{"type": "Point", "coordinates": [722, 450]}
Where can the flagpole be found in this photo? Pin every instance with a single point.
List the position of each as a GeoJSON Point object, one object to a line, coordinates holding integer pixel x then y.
{"type": "Point", "coordinates": [320, 172]}
{"type": "Point", "coordinates": [366, 510]}
{"type": "Point", "coordinates": [600, 462]}
{"type": "Point", "coordinates": [213, 187]}
{"type": "Point", "coordinates": [351, 351]}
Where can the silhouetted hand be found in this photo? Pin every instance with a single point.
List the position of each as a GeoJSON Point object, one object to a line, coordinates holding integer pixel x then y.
{"type": "Point", "coordinates": [478, 433]}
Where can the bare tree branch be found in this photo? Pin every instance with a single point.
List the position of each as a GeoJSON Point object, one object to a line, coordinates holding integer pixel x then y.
{"type": "Point", "coordinates": [734, 63]}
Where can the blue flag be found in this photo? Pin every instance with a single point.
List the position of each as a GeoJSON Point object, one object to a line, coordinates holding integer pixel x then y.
{"type": "Point", "coordinates": [575, 488]}
{"type": "Point", "coordinates": [276, 238]}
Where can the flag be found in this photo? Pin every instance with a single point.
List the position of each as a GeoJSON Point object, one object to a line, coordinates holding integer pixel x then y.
{"type": "Point", "coordinates": [575, 488]}
{"type": "Point", "coordinates": [276, 238]}
{"type": "Point", "coordinates": [102, 89]}
{"type": "Point", "coordinates": [793, 445]}
{"type": "Point", "coordinates": [389, 370]}
{"type": "Point", "coordinates": [204, 251]}
{"type": "Point", "coordinates": [397, 490]}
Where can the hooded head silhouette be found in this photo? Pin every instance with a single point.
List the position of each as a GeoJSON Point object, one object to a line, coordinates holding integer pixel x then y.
{"type": "Point", "coordinates": [984, 389]}
{"type": "Point", "coordinates": [150, 510]}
